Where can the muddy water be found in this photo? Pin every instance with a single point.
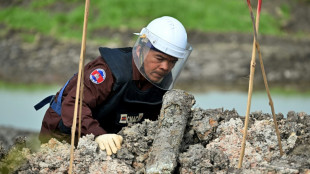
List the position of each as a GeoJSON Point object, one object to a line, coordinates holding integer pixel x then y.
{"type": "Point", "coordinates": [16, 106]}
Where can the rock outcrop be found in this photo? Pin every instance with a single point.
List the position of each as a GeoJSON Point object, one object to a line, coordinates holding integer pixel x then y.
{"type": "Point", "coordinates": [184, 140]}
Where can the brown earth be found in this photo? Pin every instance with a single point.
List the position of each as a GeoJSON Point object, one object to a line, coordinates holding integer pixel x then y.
{"type": "Point", "coordinates": [218, 60]}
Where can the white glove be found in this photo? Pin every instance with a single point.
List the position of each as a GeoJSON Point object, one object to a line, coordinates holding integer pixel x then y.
{"type": "Point", "coordinates": [109, 142]}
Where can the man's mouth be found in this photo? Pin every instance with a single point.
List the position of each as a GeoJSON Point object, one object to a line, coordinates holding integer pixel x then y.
{"type": "Point", "coordinates": [159, 75]}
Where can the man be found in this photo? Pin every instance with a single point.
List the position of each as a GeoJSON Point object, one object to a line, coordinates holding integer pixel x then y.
{"type": "Point", "coordinates": [121, 86]}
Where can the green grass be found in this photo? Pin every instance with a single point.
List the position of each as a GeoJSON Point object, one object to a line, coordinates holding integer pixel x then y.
{"type": "Point", "coordinates": [201, 15]}
{"type": "Point", "coordinates": [27, 87]}
{"type": "Point", "coordinates": [290, 92]}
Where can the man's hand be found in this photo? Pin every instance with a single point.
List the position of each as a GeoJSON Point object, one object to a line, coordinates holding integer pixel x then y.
{"type": "Point", "coordinates": [109, 142]}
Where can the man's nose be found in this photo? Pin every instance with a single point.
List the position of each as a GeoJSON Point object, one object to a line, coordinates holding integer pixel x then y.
{"type": "Point", "coordinates": [164, 65]}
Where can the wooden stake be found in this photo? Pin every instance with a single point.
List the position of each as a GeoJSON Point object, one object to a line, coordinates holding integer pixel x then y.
{"type": "Point", "coordinates": [256, 45]}
{"type": "Point", "coordinates": [79, 89]}
{"type": "Point", "coordinates": [270, 100]}
{"type": "Point", "coordinates": [81, 103]}
{"type": "Point", "coordinates": [265, 79]}
{"type": "Point", "coordinates": [252, 70]}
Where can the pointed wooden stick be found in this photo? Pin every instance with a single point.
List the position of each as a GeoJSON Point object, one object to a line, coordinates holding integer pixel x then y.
{"type": "Point", "coordinates": [252, 70]}
{"type": "Point", "coordinates": [257, 45]}
{"type": "Point", "coordinates": [265, 79]}
{"type": "Point", "coordinates": [79, 89]}
{"type": "Point", "coordinates": [270, 99]}
{"type": "Point", "coordinates": [81, 103]}
{"type": "Point", "coordinates": [265, 82]}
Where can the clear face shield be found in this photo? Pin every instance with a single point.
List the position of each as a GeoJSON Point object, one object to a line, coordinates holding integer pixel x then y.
{"type": "Point", "coordinates": [161, 65]}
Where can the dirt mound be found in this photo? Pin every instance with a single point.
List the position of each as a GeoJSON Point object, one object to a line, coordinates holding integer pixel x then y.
{"type": "Point", "coordinates": [183, 140]}
{"type": "Point", "coordinates": [222, 59]}
{"type": "Point", "coordinates": [218, 58]}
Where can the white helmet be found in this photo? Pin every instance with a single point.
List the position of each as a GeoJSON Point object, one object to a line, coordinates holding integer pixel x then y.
{"type": "Point", "coordinates": [166, 35]}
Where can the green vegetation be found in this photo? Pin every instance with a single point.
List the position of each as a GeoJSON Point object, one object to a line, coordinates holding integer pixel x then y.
{"type": "Point", "coordinates": [64, 19]}
{"type": "Point", "coordinates": [27, 87]}
{"type": "Point", "coordinates": [15, 158]}
{"type": "Point", "coordinates": [17, 154]}
{"type": "Point", "coordinates": [290, 91]}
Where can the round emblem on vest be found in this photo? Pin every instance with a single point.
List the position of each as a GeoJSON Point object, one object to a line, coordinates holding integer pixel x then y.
{"type": "Point", "coordinates": [97, 76]}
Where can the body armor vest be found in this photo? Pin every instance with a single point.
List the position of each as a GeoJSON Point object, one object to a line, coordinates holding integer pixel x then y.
{"type": "Point", "coordinates": [127, 103]}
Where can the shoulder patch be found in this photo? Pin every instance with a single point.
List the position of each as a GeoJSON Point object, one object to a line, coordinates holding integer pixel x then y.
{"type": "Point", "coordinates": [97, 76]}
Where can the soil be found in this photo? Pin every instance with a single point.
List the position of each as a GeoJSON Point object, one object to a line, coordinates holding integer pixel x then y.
{"type": "Point", "coordinates": [221, 60]}
{"type": "Point", "coordinates": [218, 59]}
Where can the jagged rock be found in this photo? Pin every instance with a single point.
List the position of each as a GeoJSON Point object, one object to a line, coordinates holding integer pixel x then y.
{"type": "Point", "coordinates": [205, 122]}
{"type": "Point", "coordinates": [201, 160]}
{"type": "Point", "coordinates": [194, 141]}
{"type": "Point", "coordinates": [172, 122]}
{"type": "Point", "coordinates": [229, 141]}
{"type": "Point", "coordinates": [138, 139]}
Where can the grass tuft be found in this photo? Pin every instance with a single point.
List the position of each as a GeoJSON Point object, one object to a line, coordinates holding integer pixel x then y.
{"type": "Point", "coordinates": [201, 15]}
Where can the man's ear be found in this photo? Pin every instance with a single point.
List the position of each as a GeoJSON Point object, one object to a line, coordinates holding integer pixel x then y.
{"type": "Point", "coordinates": [138, 50]}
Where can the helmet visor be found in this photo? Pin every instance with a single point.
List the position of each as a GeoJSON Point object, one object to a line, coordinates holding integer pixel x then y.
{"type": "Point", "coordinates": [156, 66]}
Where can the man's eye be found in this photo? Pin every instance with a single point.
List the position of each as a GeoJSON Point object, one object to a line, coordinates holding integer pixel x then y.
{"type": "Point", "coordinates": [174, 61]}
{"type": "Point", "coordinates": [159, 58]}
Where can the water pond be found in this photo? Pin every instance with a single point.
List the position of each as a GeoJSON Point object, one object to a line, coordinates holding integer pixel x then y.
{"type": "Point", "coordinates": [16, 109]}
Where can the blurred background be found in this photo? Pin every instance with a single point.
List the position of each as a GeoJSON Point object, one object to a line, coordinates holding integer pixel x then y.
{"type": "Point", "coordinates": [40, 42]}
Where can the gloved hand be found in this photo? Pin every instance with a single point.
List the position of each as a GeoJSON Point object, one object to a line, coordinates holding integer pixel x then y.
{"type": "Point", "coordinates": [109, 142]}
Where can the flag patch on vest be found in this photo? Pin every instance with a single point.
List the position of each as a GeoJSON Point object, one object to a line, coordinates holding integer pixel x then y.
{"type": "Point", "coordinates": [130, 118]}
{"type": "Point", "coordinates": [97, 76]}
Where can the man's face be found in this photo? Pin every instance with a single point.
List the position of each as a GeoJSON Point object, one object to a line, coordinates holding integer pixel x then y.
{"type": "Point", "coordinates": [157, 65]}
